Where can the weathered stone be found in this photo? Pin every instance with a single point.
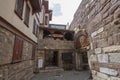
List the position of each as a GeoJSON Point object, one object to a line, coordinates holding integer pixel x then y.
{"type": "Point", "coordinates": [94, 34]}
{"type": "Point", "coordinates": [113, 1]}
{"type": "Point", "coordinates": [98, 50]}
{"type": "Point", "coordinates": [105, 15]}
{"type": "Point", "coordinates": [94, 72]}
{"type": "Point", "coordinates": [110, 40]}
{"type": "Point", "coordinates": [101, 75]}
{"type": "Point", "coordinates": [97, 32]}
{"type": "Point", "coordinates": [7, 44]}
{"type": "Point", "coordinates": [114, 78]}
{"type": "Point", "coordinates": [114, 57]}
{"type": "Point", "coordinates": [102, 1]}
{"type": "Point", "coordinates": [107, 27]}
{"type": "Point", "coordinates": [104, 34]}
{"type": "Point", "coordinates": [103, 28]}
{"type": "Point", "coordinates": [56, 44]}
{"type": "Point", "coordinates": [27, 50]}
{"type": "Point", "coordinates": [117, 21]}
{"type": "Point", "coordinates": [109, 71]}
{"type": "Point", "coordinates": [93, 58]}
{"type": "Point", "coordinates": [100, 30]}
{"type": "Point", "coordinates": [102, 58]}
{"type": "Point", "coordinates": [108, 19]}
{"type": "Point", "coordinates": [102, 43]}
{"type": "Point", "coordinates": [114, 7]}
{"type": "Point", "coordinates": [111, 48]}
{"type": "Point", "coordinates": [105, 8]}
{"type": "Point", "coordinates": [117, 13]}
{"type": "Point", "coordinates": [116, 39]}
{"type": "Point", "coordinates": [97, 78]}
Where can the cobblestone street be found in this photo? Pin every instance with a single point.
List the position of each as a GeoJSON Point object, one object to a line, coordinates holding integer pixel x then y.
{"type": "Point", "coordinates": [63, 75]}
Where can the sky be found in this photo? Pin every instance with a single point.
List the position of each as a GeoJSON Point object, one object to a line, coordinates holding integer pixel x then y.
{"type": "Point", "coordinates": [63, 10]}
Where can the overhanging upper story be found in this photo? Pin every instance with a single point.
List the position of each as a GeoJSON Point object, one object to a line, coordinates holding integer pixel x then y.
{"type": "Point", "coordinates": [52, 38]}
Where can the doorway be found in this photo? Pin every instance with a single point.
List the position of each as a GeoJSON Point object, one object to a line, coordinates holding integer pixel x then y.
{"type": "Point", "coordinates": [51, 58]}
{"type": "Point", "coordinates": [67, 59]}
{"type": "Point", "coordinates": [84, 57]}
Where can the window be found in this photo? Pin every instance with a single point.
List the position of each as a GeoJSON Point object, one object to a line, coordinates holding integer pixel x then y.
{"type": "Point", "coordinates": [58, 26]}
{"type": "Point", "coordinates": [46, 20]}
{"type": "Point", "coordinates": [35, 29]}
{"type": "Point", "coordinates": [33, 52]}
{"type": "Point", "coordinates": [18, 47]}
{"type": "Point", "coordinates": [19, 7]}
{"type": "Point", "coordinates": [27, 14]}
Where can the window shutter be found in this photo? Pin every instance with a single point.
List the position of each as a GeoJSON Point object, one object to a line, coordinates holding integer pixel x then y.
{"type": "Point", "coordinates": [46, 20]}
{"type": "Point", "coordinates": [18, 47]}
{"type": "Point", "coordinates": [33, 52]}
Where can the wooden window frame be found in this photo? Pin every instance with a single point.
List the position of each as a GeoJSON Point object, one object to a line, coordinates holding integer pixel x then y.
{"type": "Point", "coordinates": [27, 15]}
{"type": "Point", "coordinates": [46, 20]}
{"type": "Point", "coordinates": [35, 28]}
{"type": "Point", "coordinates": [19, 7]}
{"type": "Point", "coordinates": [18, 49]}
{"type": "Point", "coordinates": [33, 52]}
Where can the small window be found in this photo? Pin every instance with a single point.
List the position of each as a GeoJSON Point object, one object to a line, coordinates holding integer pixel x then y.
{"type": "Point", "coordinates": [46, 20]}
{"type": "Point", "coordinates": [19, 7]}
{"type": "Point", "coordinates": [27, 14]}
{"type": "Point", "coordinates": [33, 52]}
{"type": "Point", "coordinates": [18, 47]}
{"type": "Point", "coordinates": [35, 29]}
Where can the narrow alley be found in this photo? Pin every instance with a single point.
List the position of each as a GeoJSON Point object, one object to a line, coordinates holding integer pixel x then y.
{"type": "Point", "coordinates": [63, 75]}
{"type": "Point", "coordinates": [59, 39]}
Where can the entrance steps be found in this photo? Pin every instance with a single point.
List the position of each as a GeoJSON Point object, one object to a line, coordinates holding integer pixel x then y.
{"type": "Point", "coordinates": [51, 69]}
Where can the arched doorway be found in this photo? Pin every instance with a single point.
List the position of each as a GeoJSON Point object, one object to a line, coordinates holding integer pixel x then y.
{"type": "Point", "coordinates": [81, 44]}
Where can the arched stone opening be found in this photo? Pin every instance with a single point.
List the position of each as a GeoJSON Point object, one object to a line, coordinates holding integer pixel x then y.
{"type": "Point", "coordinates": [81, 44]}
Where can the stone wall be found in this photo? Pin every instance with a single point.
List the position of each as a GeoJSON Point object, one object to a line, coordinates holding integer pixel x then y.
{"type": "Point", "coordinates": [14, 71]}
{"type": "Point", "coordinates": [49, 44]}
{"type": "Point", "coordinates": [101, 19]}
{"type": "Point", "coordinates": [55, 44]}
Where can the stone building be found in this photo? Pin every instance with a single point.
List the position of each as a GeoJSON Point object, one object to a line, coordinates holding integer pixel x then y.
{"type": "Point", "coordinates": [100, 19]}
{"type": "Point", "coordinates": [55, 48]}
{"type": "Point", "coordinates": [19, 28]}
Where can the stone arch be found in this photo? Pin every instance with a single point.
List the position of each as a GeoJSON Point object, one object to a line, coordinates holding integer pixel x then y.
{"type": "Point", "coordinates": [81, 39]}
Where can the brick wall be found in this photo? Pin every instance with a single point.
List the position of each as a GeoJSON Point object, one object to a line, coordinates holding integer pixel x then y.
{"type": "Point", "coordinates": [101, 19]}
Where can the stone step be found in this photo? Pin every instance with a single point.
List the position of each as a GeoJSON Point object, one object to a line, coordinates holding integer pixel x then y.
{"type": "Point", "coordinates": [51, 69]}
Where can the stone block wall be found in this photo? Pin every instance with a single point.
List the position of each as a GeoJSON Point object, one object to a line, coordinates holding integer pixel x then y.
{"type": "Point", "coordinates": [22, 70]}
{"type": "Point", "coordinates": [55, 44]}
{"type": "Point", "coordinates": [101, 19]}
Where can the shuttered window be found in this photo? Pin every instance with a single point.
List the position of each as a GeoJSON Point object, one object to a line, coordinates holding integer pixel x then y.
{"type": "Point", "coordinates": [27, 15]}
{"type": "Point", "coordinates": [18, 47]}
{"type": "Point", "coordinates": [33, 52]}
{"type": "Point", "coordinates": [19, 7]}
{"type": "Point", "coordinates": [46, 20]}
{"type": "Point", "coordinates": [35, 29]}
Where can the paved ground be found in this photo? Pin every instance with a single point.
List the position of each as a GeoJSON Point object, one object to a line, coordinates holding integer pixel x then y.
{"type": "Point", "coordinates": [63, 75]}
